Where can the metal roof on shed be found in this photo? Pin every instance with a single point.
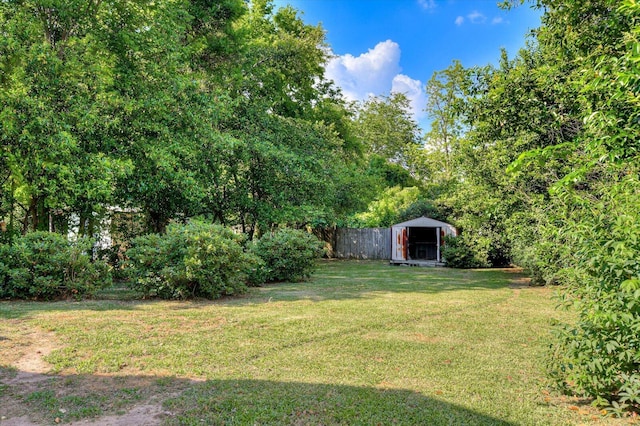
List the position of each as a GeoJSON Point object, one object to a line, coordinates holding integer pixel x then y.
{"type": "Point", "coordinates": [423, 222]}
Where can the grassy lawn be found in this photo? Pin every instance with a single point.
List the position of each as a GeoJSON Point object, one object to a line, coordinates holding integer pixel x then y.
{"type": "Point", "coordinates": [361, 343]}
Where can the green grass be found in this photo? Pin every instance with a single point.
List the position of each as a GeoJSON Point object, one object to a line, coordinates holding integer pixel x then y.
{"type": "Point", "coordinates": [362, 343]}
{"type": "Point", "coordinates": [69, 407]}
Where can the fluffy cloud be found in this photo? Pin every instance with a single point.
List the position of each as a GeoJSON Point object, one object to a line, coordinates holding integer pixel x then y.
{"type": "Point", "coordinates": [376, 72]}
{"type": "Point", "coordinates": [459, 20]}
{"type": "Point", "coordinates": [415, 92]}
{"type": "Point", "coordinates": [370, 73]}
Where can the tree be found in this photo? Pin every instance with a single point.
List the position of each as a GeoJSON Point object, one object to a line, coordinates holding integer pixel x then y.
{"type": "Point", "coordinates": [54, 90]}
{"type": "Point", "coordinates": [384, 211]}
{"type": "Point", "coordinates": [446, 92]}
{"type": "Point", "coordinates": [386, 127]}
{"type": "Point", "coordinates": [287, 124]}
{"type": "Point", "coordinates": [562, 119]}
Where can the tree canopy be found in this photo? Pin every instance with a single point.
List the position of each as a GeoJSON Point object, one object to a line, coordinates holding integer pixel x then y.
{"type": "Point", "coordinates": [176, 109]}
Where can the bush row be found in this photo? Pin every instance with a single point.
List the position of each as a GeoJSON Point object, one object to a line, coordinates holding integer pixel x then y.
{"type": "Point", "coordinates": [192, 260]}
{"type": "Point", "coordinates": [205, 260]}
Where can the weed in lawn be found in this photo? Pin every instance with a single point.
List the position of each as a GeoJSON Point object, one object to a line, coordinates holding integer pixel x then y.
{"type": "Point", "coordinates": [45, 399]}
{"type": "Point", "coordinates": [130, 394]}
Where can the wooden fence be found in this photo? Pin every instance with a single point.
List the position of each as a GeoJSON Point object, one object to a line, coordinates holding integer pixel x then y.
{"type": "Point", "coordinates": [352, 243]}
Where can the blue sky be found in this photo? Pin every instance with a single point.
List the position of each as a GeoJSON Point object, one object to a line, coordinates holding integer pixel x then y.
{"type": "Point", "coordinates": [396, 45]}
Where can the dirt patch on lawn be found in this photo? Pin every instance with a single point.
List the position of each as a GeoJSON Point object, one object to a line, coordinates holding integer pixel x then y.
{"type": "Point", "coordinates": [32, 361]}
{"type": "Point", "coordinates": [30, 394]}
{"type": "Point", "coordinates": [23, 371]}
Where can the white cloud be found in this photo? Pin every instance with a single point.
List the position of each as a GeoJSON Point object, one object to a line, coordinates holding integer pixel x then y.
{"type": "Point", "coordinates": [376, 72]}
{"type": "Point", "coordinates": [497, 20]}
{"type": "Point", "coordinates": [414, 91]}
{"type": "Point", "coordinates": [476, 17]}
{"type": "Point", "coordinates": [427, 4]}
{"type": "Point", "coordinates": [370, 73]}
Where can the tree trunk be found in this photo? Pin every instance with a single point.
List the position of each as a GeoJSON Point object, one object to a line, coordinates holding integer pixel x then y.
{"type": "Point", "coordinates": [12, 206]}
{"type": "Point", "coordinates": [157, 222]}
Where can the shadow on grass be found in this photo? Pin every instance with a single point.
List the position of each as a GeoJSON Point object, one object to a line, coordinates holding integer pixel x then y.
{"type": "Point", "coordinates": [268, 402]}
{"type": "Point", "coordinates": [11, 309]}
{"type": "Point", "coordinates": [40, 399]}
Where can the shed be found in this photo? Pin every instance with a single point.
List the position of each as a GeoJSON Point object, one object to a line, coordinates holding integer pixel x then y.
{"type": "Point", "coordinates": [418, 241]}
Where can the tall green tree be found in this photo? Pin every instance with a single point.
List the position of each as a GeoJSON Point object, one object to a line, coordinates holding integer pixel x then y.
{"type": "Point", "coordinates": [54, 89]}
{"type": "Point", "coordinates": [288, 125]}
{"type": "Point", "coordinates": [386, 127]}
{"type": "Point", "coordinates": [446, 92]}
{"type": "Point", "coordinates": [168, 57]}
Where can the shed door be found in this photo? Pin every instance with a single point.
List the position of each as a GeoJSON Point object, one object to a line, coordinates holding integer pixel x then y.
{"type": "Point", "coordinates": [399, 240]}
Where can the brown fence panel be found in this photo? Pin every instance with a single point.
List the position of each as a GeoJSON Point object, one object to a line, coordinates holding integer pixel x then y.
{"type": "Point", "coordinates": [356, 243]}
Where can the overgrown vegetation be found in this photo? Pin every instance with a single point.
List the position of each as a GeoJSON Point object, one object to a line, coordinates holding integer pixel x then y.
{"type": "Point", "coordinates": [598, 355]}
{"type": "Point", "coordinates": [459, 253]}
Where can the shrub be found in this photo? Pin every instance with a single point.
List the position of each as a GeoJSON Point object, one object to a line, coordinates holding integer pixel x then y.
{"type": "Point", "coordinates": [193, 260]}
{"type": "Point", "coordinates": [460, 253]}
{"type": "Point", "coordinates": [45, 265]}
{"type": "Point", "coordinates": [599, 355]}
{"type": "Point", "coordinates": [288, 254]}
